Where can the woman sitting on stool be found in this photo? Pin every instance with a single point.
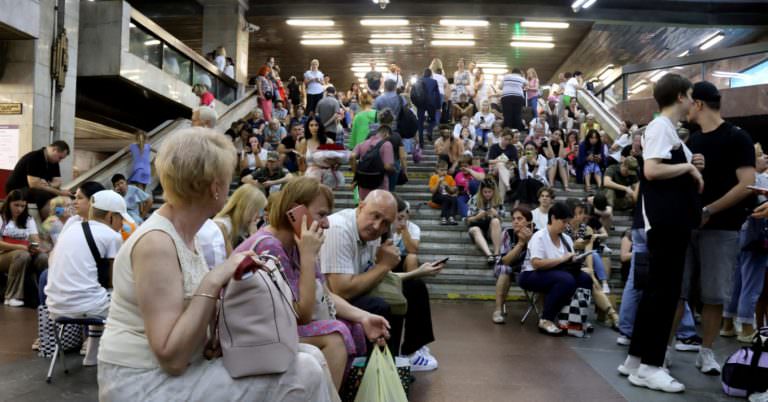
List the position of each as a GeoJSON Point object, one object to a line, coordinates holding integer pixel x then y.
{"type": "Point", "coordinates": [545, 268]}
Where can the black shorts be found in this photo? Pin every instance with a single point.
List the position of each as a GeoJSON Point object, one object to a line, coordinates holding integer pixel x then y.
{"type": "Point", "coordinates": [484, 225]}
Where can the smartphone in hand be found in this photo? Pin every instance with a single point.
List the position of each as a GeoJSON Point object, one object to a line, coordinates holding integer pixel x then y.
{"type": "Point", "coordinates": [295, 216]}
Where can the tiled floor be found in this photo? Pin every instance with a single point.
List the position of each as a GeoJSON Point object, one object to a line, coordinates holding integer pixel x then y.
{"type": "Point", "coordinates": [479, 361]}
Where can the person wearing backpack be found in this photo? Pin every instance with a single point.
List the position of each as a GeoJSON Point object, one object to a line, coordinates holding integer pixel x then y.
{"type": "Point", "coordinates": [426, 96]}
{"type": "Point", "coordinates": [375, 160]}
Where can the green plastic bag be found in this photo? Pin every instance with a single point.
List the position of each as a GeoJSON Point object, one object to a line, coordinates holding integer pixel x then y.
{"type": "Point", "coordinates": [381, 383]}
{"type": "Point", "coordinates": [356, 196]}
{"type": "Point", "coordinates": [391, 290]}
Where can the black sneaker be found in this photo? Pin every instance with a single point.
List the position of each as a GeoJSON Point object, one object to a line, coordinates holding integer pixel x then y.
{"type": "Point", "coordinates": [690, 344]}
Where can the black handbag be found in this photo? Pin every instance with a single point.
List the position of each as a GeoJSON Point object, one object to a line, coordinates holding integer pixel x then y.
{"type": "Point", "coordinates": [573, 267]}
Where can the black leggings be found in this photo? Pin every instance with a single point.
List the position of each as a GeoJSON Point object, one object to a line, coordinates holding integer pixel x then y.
{"type": "Point", "coordinates": [312, 102]}
{"type": "Point", "coordinates": [656, 312]}
{"type": "Point", "coordinates": [447, 204]}
{"type": "Point", "coordinates": [512, 107]}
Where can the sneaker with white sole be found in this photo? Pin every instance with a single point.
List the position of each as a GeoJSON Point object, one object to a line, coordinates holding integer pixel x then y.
{"type": "Point", "coordinates": [606, 288]}
{"type": "Point", "coordinates": [498, 317]}
{"type": "Point", "coordinates": [746, 338]}
{"type": "Point", "coordinates": [660, 380]}
{"type": "Point", "coordinates": [690, 344]}
{"type": "Point", "coordinates": [706, 362]}
{"type": "Point", "coordinates": [421, 361]}
{"type": "Point", "coordinates": [626, 371]}
{"type": "Point", "coordinates": [623, 340]}
{"type": "Point", "coordinates": [14, 303]}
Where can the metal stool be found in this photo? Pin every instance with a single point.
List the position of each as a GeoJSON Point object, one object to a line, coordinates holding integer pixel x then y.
{"type": "Point", "coordinates": [58, 331]}
{"type": "Point", "coordinates": [532, 298]}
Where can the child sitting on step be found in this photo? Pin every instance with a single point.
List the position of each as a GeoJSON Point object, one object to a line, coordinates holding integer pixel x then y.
{"type": "Point", "coordinates": [444, 192]}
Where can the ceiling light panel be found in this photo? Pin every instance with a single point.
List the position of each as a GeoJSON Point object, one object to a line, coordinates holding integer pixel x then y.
{"type": "Point", "coordinates": [537, 45]}
{"type": "Point", "coordinates": [391, 36]}
{"type": "Point", "coordinates": [321, 35]}
{"type": "Point", "coordinates": [588, 4]}
{"type": "Point", "coordinates": [545, 24]}
{"type": "Point", "coordinates": [385, 22]}
{"type": "Point", "coordinates": [309, 23]}
{"type": "Point", "coordinates": [465, 43]}
{"type": "Point", "coordinates": [533, 38]}
{"type": "Point", "coordinates": [712, 41]}
{"type": "Point", "coordinates": [463, 23]}
{"type": "Point", "coordinates": [454, 36]}
{"type": "Point", "coordinates": [322, 42]}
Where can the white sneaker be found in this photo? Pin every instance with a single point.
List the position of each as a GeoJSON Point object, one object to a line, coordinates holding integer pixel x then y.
{"type": "Point", "coordinates": [660, 380]}
{"type": "Point", "coordinates": [623, 340]}
{"type": "Point", "coordinates": [759, 397]}
{"type": "Point", "coordinates": [606, 288]}
{"type": "Point", "coordinates": [421, 361]}
{"type": "Point", "coordinates": [498, 317]}
{"type": "Point", "coordinates": [706, 362]}
{"type": "Point", "coordinates": [14, 302]}
{"type": "Point", "coordinates": [626, 371]}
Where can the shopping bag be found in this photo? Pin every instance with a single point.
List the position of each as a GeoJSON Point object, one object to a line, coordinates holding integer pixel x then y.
{"type": "Point", "coordinates": [357, 370]}
{"type": "Point", "coordinates": [381, 382]}
{"type": "Point", "coordinates": [574, 317]}
{"type": "Point", "coordinates": [391, 290]}
{"type": "Point", "coordinates": [71, 339]}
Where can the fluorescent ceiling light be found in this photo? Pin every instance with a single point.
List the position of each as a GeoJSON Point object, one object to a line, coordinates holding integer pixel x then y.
{"type": "Point", "coordinates": [321, 35]}
{"type": "Point", "coordinates": [577, 4]}
{"type": "Point", "coordinates": [588, 4]}
{"type": "Point", "coordinates": [637, 84]}
{"type": "Point", "coordinates": [540, 45]}
{"type": "Point", "coordinates": [463, 23]}
{"type": "Point", "coordinates": [390, 41]}
{"type": "Point", "coordinates": [322, 42]}
{"type": "Point", "coordinates": [391, 36]}
{"type": "Point", "coordinates": [309, 23]}
{"type": "Point", "coordinates": [360, 74]}
{"type": "Point", "coordinates": [362, 69]}
{"type": "Point", "coordinates": [376, 22]}
{"type": "Point", "coordinates": [657, 75]}
{"type": "Point", "coordinates": [454, 36]}
{"type": "Point", "coordinates": [453, 43]}
{"type": "Point", "coordinates": [495, 71]}
{"type": "Point", "coordinates": [728, 74]}
{"type": "Point", "coordinates": [152, 42]}
{"type": "Point", "coordinates": [712, 41]}
{"type": "Point", "coordinates": [131, 25]}
{"type": "Point", "coordinates": [685, 53]}
{"type": "Point", "coordinates": [544, 24]}
{"type": "Point", "coordinates": [605, 72]}
{"type": "Point", "coordinates": [368, 64]}
{"type": "Point", "coordinates": [492, 65]}
{"type": "Point", "coordinates": [532, 38]}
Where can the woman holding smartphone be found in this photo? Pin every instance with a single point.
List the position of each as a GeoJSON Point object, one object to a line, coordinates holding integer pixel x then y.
{"type": "Point", "coordinates": [298, 217]}
{"type": "Point", "coordinates": [19, 247]}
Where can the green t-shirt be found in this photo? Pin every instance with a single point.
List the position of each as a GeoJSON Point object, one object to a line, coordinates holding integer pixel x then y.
{"type": "Point", "coordinates": [361, 127]}
{"type": "Point", "coordinates": [614, 172]}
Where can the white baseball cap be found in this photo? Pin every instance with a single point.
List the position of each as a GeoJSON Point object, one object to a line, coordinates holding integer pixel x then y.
{"type": "Point", "coordinates": [110, 201]}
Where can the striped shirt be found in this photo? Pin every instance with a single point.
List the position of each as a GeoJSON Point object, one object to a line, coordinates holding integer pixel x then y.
{"type": "Point", "coordinates": [512, 85]}
{"type": "Point", "coordinates": [343, 252]}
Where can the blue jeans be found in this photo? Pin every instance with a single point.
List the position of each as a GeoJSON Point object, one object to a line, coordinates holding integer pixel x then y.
{"type": "Point", "coordinates": [748, 281]}
{"type": "Point", "coordinates": [393, 177]}
{"type": "Point", "coordinates": [631, 297]}
{"type": "Point", "coordinates": [482, 134]}
{"type": "Point", "coordinates": [533, 103]}
{"type": "Point", "coordinates": [462, 200]}
{"type": "Point", "coordinates": [433, 116]}
{"type": "Point", "coordinates": [598, 266]}
{"type": "Point", "coordinates": [558, 285]}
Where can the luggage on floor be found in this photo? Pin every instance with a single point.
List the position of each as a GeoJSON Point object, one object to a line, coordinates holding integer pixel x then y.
{"type": "Point", "coordinates": [72, 338]}
{"type": "Point", "coordinates": [746, 371]}
{"type": "Point", "coordinates": [574, 317]}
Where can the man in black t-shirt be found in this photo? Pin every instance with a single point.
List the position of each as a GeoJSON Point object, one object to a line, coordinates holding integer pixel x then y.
{"type": "Point", "coordinates": [271, 177]}
{"type": "Point", "coordinates": [287, 148]}
{"type": "Point", "coordinates": [729, 167]}
{"type": "Point", "coordinates": [373, 80]}
{"type": "Point", "coordinates": [38, 174]}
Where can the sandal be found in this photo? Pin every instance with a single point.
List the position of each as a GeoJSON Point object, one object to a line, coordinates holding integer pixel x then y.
{"type": "Point", "coordinates": [547, 327]}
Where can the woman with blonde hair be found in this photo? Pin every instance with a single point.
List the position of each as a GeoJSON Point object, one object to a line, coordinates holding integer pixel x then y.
{"type": "Point", "coordinates": [165, 297]}
{"type": "Point", "coordinates": [532, 90]}
{"type": "Point", "coordinates": [240, 216]}
{"type": "Point", "coordinates": [361, 124]}
{"type": "Point", "coordinates": [319, 310]}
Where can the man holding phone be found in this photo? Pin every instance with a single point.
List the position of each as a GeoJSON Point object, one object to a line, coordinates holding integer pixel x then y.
{"type": "Point", "coordinates": [355, 261]}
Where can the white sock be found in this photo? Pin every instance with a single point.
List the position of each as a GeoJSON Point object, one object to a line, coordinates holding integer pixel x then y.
{"type": "Point", "coordinates": [631, 362]}
{"type": "Point", "coordinates": [646, 371]}
{"type": "Point", "coordinates": [92, 346]}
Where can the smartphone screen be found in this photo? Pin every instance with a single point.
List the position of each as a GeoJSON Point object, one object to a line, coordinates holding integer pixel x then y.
{"type": "Point", "coordinates": [295, 215]}
{"type": "Point", "coordinates": [441, 261]}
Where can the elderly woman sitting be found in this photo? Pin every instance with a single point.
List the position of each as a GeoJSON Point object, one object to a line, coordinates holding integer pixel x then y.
{"type": "Point", "coordinates": [165, 297]}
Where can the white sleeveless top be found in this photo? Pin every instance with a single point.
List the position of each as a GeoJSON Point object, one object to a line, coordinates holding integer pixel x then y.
{"type": "Point", "coordinates": [124, 342]}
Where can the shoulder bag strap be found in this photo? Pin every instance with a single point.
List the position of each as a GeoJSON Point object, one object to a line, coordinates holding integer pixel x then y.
{"type": "Point", "coordinates": [565, 243]}
{"type": "Point", "coordinates": [102, 267]}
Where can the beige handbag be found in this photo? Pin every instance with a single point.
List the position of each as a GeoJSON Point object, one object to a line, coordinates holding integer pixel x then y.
{"type": "Point", "coordinates": [257, 322]}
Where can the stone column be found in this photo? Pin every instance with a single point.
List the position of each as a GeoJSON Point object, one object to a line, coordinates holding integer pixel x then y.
{"type": "Point", "coordinates": [224, 24]}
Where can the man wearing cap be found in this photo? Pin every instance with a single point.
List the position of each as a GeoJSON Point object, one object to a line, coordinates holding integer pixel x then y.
{"type": "Point", "coordinates": [77, 282]}
{"type": "Point", "coordinates": [271, 177]}
{"type": "Point", "coordinates": [713, 250]}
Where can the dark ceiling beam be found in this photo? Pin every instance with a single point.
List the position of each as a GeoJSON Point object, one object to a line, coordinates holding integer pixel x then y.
{"type": "Point", "coordinates": [752, 15]}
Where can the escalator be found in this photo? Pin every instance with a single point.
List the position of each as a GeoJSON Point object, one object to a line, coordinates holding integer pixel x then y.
{"type": "Point", "coordinates": [604, 115]}
{"type": "Point", "coordinates": [121, 161]}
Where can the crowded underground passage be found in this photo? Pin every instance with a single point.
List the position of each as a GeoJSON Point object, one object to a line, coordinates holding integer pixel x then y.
{"type": "Point", "coordinates": [383, 200]}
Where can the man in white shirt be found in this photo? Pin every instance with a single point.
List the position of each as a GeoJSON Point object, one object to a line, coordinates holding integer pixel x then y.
{"type": "Point", "coordinates": [394, 75]}
{"type": "Point", "coordinates": [355, 261]}
{"type": "Point", "coordinates": [573, 83]}
{"type": "Point", "coordinates": [77, 282]}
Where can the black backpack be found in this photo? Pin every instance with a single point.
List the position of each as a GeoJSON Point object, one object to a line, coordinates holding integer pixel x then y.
{"type": "Point", "coordinates": [370, 168]}
{"type": "Point", "coordinates": [407, 121]}
{"type": "Point", "coordinates": [418, 93]}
